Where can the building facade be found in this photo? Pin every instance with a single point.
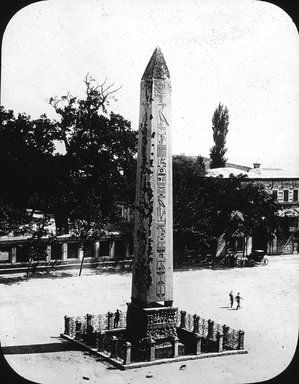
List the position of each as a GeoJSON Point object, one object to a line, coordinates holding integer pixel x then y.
{"type": "Point", "coordinates": [64, 251]}
{"type": "Point", "coordinates": [284, 187]}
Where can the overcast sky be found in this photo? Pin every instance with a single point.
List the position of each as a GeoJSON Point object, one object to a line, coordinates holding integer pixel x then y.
{"type": "Point", "coordinates": [242, 53]}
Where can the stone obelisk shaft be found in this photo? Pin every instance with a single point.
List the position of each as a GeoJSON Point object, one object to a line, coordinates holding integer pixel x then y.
{"type": "Point", "coordinates": [153, 259]}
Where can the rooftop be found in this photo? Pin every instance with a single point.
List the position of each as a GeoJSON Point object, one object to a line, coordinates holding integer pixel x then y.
{"type": "Point", "coordinates": [253, 173]}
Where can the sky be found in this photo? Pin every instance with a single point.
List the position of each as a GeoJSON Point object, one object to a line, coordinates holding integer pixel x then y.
{"type": "Point", "coordinates": [242, 53]}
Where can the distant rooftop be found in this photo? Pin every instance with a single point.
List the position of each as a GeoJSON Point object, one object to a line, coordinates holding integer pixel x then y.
{"type": "Point", "coordinates": [207, 162]}
{"type": "Point", "coordinates": [271, 173]}
{"type": "Point", "coordinates": [253, 173]}
{"type": "Point", "coordinates": [225, 172]}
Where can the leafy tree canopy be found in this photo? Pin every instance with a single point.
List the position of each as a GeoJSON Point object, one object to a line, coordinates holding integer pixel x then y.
{"type": "Point", "coordinates": [100, 152]}
{"type": "Point", "coordinates": [80, 186]}
{"type": "Point", "coordinates": [206, 208]}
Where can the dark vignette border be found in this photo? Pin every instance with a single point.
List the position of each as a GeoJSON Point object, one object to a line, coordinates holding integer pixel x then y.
{"type": "Point", "coordinates": [8, 9]}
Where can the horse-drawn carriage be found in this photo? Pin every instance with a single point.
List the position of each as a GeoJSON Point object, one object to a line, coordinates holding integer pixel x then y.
{"type": "Point", "coordinates": [257, 257]}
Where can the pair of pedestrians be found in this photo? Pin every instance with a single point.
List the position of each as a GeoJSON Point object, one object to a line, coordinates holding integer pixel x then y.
{"type": "Point", "coordinates": [238, 299]}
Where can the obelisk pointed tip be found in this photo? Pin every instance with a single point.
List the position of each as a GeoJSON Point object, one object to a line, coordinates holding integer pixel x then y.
{"type": "Point", "coordinates": [156, 67]}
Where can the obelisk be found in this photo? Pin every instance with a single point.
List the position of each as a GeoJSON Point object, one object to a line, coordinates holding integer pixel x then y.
{"type": "Point", "coordinates": [152, 279]}
{"type": "Point", "coordinates": [153, 265]}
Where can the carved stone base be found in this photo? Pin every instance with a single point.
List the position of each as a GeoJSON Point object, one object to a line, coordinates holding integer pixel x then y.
{"type": "Point", "coordinates": [165, 350]}
{"type": "Point", "coordinates": [157, 323]}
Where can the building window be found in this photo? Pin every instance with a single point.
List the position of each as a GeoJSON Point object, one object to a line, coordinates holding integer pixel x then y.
{"type": "Point", "coordinates": [120, 249]}
{"type": "Point", "coordinates": [274, 194]}
{"type": "Point", "coordinates": [104, 248]}
{"type": "Point", "coordinates": [240, 244]}
{"type": "Point", "coordinates": [286, 195]}
{"type": "Point", "coordinates": [295, 195]}
{"type": "Point", "coordinates": [88, 250]}
{"type": "Point", "coordinates": [4, 253]}
{"type": "Point", "coordinates": [56, 251]}
{"type": "Point", "coordinates": [23, 253]}
{"type": "Point", "coordinates": [72, 250]}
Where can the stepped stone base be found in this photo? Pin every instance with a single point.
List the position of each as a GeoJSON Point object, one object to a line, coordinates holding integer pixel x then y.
{"type": "Point", "coordinates": [119, 364]}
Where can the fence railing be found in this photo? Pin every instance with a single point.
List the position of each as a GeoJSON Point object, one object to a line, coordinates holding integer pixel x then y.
{"type": "Point", "coordinates": [208, 329]}
{"type": "Point", "coordinates": [101, 322]}
{"type": "Point", "coordinates": [107, 333]}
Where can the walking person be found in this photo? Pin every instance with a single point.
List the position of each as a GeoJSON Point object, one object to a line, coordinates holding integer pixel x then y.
{"type": "Point", "coordinates": [238, 300]}
{"type": "Point", "coordinates": [117, 318]}
{"type": "Point", "coordinates": [232, 298]}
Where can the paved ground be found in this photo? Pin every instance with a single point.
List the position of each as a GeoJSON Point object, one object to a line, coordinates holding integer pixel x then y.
{"type": "Point", "coordinates": [32, 312]}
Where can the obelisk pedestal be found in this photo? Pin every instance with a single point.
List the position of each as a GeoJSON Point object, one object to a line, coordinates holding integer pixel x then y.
{"type": "Point", "coordinates": [150, 313]}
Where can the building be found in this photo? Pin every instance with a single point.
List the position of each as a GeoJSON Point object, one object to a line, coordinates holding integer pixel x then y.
{"type": "Point", "coordinates": [65, 252]}
{"type": "Point", "coordinates": [284, 186]}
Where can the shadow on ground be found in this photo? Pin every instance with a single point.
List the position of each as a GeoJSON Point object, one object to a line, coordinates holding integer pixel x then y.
{"type": "Point", "coordinates": [9, 280]}
{"type": "Point", "coordinates": [197, 267]}
{"type": "Point", "coordinates": [58, 274]}
{"type": "Point", "coordinates": [39, 348]}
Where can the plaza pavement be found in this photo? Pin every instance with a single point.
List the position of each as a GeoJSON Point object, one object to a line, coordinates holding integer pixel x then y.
{"type": "Point", "coordinates": [32, 312]}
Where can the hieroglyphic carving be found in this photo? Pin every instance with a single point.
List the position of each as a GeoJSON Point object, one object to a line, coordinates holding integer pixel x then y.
{"type": "Point", "coordinates": [144, 207]}
{"type": "Point", "coordinates": [159, 91]}
{"type": "Point", "coordinates": [162, 123]}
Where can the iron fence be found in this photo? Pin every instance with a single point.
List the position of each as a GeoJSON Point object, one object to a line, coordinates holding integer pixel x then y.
{"type": "Point", "coordinates": [98, 323]}
{"type": "Point", "coordinates": [79, 326]}
{"type": "Point", "coordinates": [208, 329]}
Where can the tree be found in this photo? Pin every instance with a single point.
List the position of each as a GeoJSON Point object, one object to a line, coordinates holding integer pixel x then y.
{"type": "Point", "coordinates": [240, 205]}
{"type": "Point", "coordinates": [79, 187]}
{"type": "Point", "coordinates": [259, 211]}
{"type": "Point", "coordinates": [190, 222]}
{"type": "Point", "coordinates": [100, 150]}
{"type": "Point", "coordinates": [11, 218]}
{"type": "Point", "coordinates": [25, 147]}
{"type": "Point", "coordinates": [208, 211]}
{"type": "Point", "coordinates": [97, 166]}
{"type": "Point", "coordinates": [220, 122]}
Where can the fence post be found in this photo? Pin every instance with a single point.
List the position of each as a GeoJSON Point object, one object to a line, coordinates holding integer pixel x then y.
{"type": "Point", "coordinates": [89, 327]}
{"type": "Point", "coordinates": [78, 330]}
{"type": "Point", "coordinates": [197, 340]}
{"type": "Point", "coordinates": [210, 329]}
{"type": "Point", "coordinates": [241, 339]}
{"type": "Point", "coordinates": [196, 323]}
{"type": "Point", "coordinates": [183, 319]}
{"type": "Point", "coordinates": [151, 352]}
{"type": "Point", "coordinates": [114, 346]}
{"type": "Point", "coordinates": [110, 318]}
{"type": "Point", "coordinates": [127, 348]}
{"type": "Point", "coordinates": [13, 255]}
{"type": "Point", "coordinates": [96, 249]}
{"type": "Point", "coordinates": [219, 342]}
{"type": "Point", "coordinates": [225, 330]}
{"type": "Point", "coordinates": [67, 320]}
{"type": "Point", "coordinates": [64, 251]}
{"type": "Point", "coordinates": [111, 249]}
{"type": "Point", "coordinates": [90, 336]}
{"type": "Point", "coordinates": [48, 252]}
{"type": "Point", "coordinates": [175, 346]}
{"type": "Point", "coordinates": [101, 336]}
